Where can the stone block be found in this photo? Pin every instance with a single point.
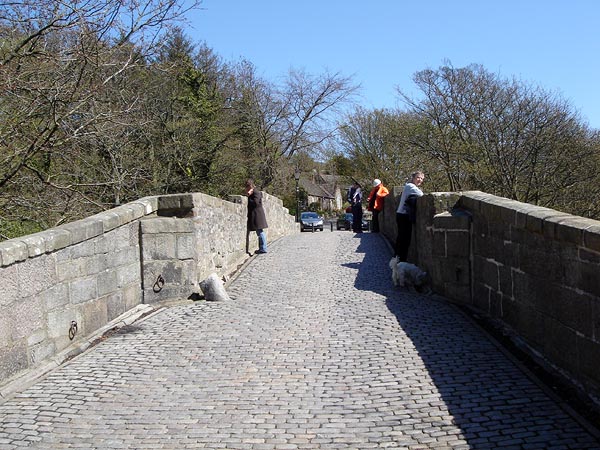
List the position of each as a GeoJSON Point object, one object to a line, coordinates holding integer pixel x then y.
{"type": "Point", "coordinates": [572, 229]}
{"type": "Point", "coordinates": [37, 337]}
{"type": "Point", "coordinates": [583, 275]}
{"type": "Point", "coordinates": [94, 316]}
{"type": "Point", "coordinates": [499, 231]}
{"type": "Point", "coordinates": [439, 243]}
{"type": "Point", "coordinates": [176, 205]}
{"type": "Point", "coordinates": [453, 270]}
{"type": "Point", "coordinates": [552, 224]}
{"type": "Point", "coordinates": [535, 218]}
{"type": "Point", "coordinates": [479, 227]}
{"type": "Point", "coordinates": [13, 359]}
{"type": "Point", "coordinates": [589, 355]}
{"type": "Point", "coordinates": [41, 352]}
{"type": "Point", "coordinates": [572, 309]}
{"type": "Point", "coordinates": [588, 255]}
{"type": "Point", "coordinates": [28, 316]}
{"type": "Point", "coordinates": [83, 290]}
{"type": "Point", "coordinates": [107, 281]}
{"type": "Point", "coordinates": [36, 244]}
{"type": "Point", "coordinates": [128, 274]}
{"type": "Point", "coordinates": [486, 271]}
{"type": "Point", "coordinates": [78, 250]}
{"type": "Point", "coordinates": [505, 279]}
{"type": "Point", "coordinates": [496, 298]}
{"type": "Point", "coordinates": [132, 296]}
{"type": "Point", "coordinates": [485, 247]}
{"type": "Point", "coordinates": [492, 211]}
{"type": "Point", "coordinates": [110, 220]}
{"type": "Point", "coordinates": [150, 204]}
{"type": "Point", "coordinates": [458, 244]}
{"type": "Point", "coordinates": [172, 292]}
{"type": "Point", "coordinates": [172, 272]}
{"type": "Point", "coordinates": [12, 251]}
{"type": "Point", "coordinates": [560, 344]}
{"type": "Point", "coordinates": [57, 239]}
{"type": "Point", "coordinates": [540, 293]}
{"type": "Point", "coordinates": [55, 297]}
{"type": "Point", "coordinates": [544, 264]}
{"type": "Point", "coordinates": [158, 247]}
{"type": "Point", "coordinates": [481, 297]}
{"type": "Point", "coordinates": [59, 322]}
{"type": "Point", "coordinates": [122, 257]}
{"type": "Point", "coordinates": [124, 214]}
{"type": "Point", "coordinates": [115, 306]}
{"type": "Point", "coordinates": [511, 312]}
{"type": "Point", "coordinates": [95, 264]}
{"type": "Point", "coordinates": [471, 201]}
{"type": "Point", "coordinates": [138, 210]}
{"type": "Point", "coordinates": [595, 302]}
{"type": "Point", "coordinates": [10, 290]}
{"type": "Point", "coordinates": [84, 229]}
{"type": "Point", "coordinates": [117, 239]}
{"type": "Point", "coordinates": [185, 246]}
{"type": "Point", "coordinates": [70, 270]}
{"type": "Point", "coordinates": [460, 294]}
{"type": "Point", "coordinates": [455, 220]}
{"type": "Point", "coordinates": [591, 238]}
{"type": "Point", "coordinates": [156, 225]}
{"type": "Point", "coordinates": [36, 275]}
{"type": "Point", "coordinates": [508, 253]}
{"type": "Point", "coordinates": [7, 328]}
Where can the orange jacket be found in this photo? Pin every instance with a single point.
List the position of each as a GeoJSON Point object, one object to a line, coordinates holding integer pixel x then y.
{"type": "Point", "coordinates": [376, 197]}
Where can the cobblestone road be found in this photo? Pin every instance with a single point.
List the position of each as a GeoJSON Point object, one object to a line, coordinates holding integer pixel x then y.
{"type": "Point", "coordinates": [315, 350]}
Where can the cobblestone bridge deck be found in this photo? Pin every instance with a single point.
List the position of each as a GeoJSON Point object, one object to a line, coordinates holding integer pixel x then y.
{"type": "Point", "coordinates": [316, 349]}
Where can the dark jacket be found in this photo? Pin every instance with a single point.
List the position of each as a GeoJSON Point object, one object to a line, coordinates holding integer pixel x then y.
{"type": "Point", "coordinates": [257, 220]}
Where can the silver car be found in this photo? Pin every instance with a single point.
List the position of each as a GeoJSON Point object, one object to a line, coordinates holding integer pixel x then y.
{"type": "Point", "coordinates": [310, 221]}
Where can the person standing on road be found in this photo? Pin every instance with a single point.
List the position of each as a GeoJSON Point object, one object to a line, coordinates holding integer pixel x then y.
{"type": "Point", "coordinates": [406, 214]}
{"type": "Point", "coordinates": [375, 199]}
{"type": "Point", "coordinates": [257, 219]}
{"type": "Point", "coordinates": [357, 211]}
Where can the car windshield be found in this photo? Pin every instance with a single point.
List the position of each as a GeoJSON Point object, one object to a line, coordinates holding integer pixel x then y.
{"type": "Point", "coordinates": [310, 215]}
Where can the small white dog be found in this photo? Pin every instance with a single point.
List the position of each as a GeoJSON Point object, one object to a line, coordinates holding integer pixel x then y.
{"type": "Point", "coordinates": [410, 276]}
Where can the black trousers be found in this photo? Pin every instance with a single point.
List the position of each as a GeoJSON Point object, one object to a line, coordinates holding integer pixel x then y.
{"type": "Point", "coordinates": [375, 221]}
{"type": "Point", "coordinates": [404, 235]}
{"type": "Point", "coordinates": [357, 214]}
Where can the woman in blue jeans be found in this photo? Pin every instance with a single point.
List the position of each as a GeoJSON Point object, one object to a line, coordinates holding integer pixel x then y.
{"type": "Point", "coordinates": [257, 220]}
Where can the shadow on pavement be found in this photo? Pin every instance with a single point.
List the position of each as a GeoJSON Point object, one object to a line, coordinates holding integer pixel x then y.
{"type": "Point", "coordinates": [489, 397]}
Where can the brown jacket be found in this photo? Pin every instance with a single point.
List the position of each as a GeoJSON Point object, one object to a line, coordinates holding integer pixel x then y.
{"type": "Point", "coordinates": [257, 220]}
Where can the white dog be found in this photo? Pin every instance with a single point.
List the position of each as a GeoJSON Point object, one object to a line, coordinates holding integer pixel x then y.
{"type": "Point", "coordinates": [408, 275]}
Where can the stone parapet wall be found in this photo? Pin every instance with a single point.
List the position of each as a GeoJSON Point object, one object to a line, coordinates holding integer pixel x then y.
{"type": "Point", "coordinates": [91, 271]}
{"type": "Point", "coordinates": [534, 269]}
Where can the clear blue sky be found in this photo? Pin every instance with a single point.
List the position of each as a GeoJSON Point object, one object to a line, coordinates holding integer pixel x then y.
{"type": "Point", "coordinates": [381, 43]}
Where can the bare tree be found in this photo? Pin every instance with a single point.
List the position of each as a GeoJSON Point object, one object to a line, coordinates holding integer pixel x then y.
{"type": "Point", "coordinates": [297, 117]}
{"type": "Point", "coordinates": [61, 67]}
{"type": "Point", "coordinates": [384, 144]}
{"type": "Point", "coordinates": [501, 136]}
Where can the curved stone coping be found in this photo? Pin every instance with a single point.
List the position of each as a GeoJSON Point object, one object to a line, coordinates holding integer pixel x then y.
{"type": "Point", "coordinates": [29, 246]}
{"type": "Point", "coordinates": [551, 223]}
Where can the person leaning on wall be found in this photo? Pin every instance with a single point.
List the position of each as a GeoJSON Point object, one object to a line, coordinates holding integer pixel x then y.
{"type": "Point", "coordinates": [375, 199]}
{"type": "Point", "coordinates": [406, 214]}
{"type": "Point", "coordinates": [257, 219]}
